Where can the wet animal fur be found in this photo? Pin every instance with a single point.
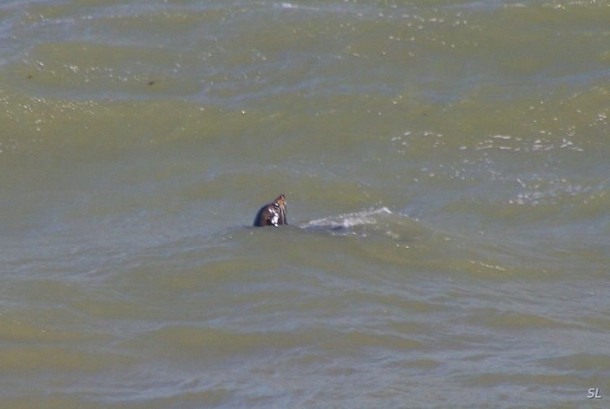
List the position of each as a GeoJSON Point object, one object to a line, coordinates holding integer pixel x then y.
{"type": "Point", "coordinates": [272, 214]}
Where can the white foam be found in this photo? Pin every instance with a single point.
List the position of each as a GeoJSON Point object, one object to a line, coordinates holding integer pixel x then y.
{"type": "Point", "coordinates": [365, 217]}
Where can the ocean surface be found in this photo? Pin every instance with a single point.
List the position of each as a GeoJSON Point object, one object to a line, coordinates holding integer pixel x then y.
{"type": "Point", "coordinates": [447, 170]}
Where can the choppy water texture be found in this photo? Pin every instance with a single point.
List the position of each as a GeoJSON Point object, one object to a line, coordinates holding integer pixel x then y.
{"type": "Point", "coordinates": [446, 165]}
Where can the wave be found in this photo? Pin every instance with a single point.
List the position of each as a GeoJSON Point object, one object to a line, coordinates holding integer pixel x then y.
{"type": "Point", "coordinates": [348, 220]}
{"type": "Point", "coordinates": [364, 223]}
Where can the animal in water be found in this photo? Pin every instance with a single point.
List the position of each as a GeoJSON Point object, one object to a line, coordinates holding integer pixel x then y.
{"type": "Point", "coordinates": [272, 214]}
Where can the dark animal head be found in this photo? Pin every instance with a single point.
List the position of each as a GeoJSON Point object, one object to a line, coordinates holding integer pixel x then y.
{"type": "Point", "coordinates": [273, 214]}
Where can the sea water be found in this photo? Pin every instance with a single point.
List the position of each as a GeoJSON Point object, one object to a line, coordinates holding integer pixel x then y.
{"type": "Point", "coordinates": [447, 176]}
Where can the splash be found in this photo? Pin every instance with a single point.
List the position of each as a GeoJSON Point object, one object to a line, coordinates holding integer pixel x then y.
{"type": "Point", "coordinates": [348, 220]}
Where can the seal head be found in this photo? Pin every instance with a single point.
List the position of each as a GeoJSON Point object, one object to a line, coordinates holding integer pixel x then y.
{"type": "Point", "coordinates": [272, 214]}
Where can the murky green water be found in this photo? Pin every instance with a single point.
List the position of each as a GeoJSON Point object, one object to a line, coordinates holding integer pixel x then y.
{"type": "Point", "coordinates": [447, 175]}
